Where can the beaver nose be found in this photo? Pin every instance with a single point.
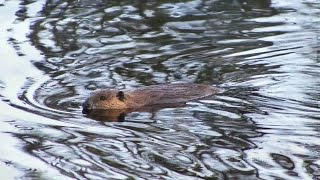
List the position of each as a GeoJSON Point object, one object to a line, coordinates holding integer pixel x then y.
{"type": "Point", "coordinates": [86, 108]}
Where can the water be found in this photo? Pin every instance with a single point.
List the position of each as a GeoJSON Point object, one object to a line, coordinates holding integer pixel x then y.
{"type": "Point", "coordinates": [264, 125]}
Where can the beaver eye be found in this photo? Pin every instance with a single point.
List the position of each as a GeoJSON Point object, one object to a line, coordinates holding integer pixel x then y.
{"type": "Point", "coordinates": [121, 96]}
{"type": "Point", "coordinates": [102, 98]}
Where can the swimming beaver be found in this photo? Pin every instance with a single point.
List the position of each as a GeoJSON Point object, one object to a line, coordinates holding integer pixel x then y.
{"type": "Point", "coordinates": [111, 99]}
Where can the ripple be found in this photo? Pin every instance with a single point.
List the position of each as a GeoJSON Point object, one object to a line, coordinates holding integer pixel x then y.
{"type": "Point", "coordinates": [264, 124]}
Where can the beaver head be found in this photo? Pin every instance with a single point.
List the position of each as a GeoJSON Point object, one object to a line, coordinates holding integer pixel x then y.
{"type": "Point", "coordinates": [104, 99]}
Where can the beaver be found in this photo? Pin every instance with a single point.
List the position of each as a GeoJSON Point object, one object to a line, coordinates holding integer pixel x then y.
{"type": "Point", "coordinates": [155, 95]}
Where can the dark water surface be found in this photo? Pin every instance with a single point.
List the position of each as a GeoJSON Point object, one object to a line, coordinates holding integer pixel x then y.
{"type": "Point", "coordinates": [265, 55]}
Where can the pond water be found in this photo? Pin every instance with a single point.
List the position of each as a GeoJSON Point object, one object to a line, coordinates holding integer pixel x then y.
{"type": "Point", "coordinates": [264, 54]}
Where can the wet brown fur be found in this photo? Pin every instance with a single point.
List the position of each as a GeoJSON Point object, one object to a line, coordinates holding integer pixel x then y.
{"type": "Point", "coordinates": [147, 96]}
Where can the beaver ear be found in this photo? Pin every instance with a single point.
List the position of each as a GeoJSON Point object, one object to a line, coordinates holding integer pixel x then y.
{"type": "Point", "coordinates": [120, 96]}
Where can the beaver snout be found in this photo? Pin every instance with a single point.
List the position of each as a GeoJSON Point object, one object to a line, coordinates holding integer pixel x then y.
{"type": "Point", "coordinates": [86, 108]}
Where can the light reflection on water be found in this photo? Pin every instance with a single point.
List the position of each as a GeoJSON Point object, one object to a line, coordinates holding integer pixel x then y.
{"type": "Point", "coordinates": [265, 124]}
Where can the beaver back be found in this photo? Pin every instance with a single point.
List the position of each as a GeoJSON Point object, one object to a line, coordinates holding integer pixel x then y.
{"type": "Point", "coordinates": [171, 93]}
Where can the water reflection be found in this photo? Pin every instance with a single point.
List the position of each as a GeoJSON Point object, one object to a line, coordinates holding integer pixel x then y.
{"type": "Point", "coordinates": [264, 54]}
{"type": "Point", "coordinates": [120, 114]}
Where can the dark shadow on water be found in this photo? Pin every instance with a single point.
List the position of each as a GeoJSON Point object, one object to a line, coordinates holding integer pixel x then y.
{"type": "Point", "coordinates": [119, 115]}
